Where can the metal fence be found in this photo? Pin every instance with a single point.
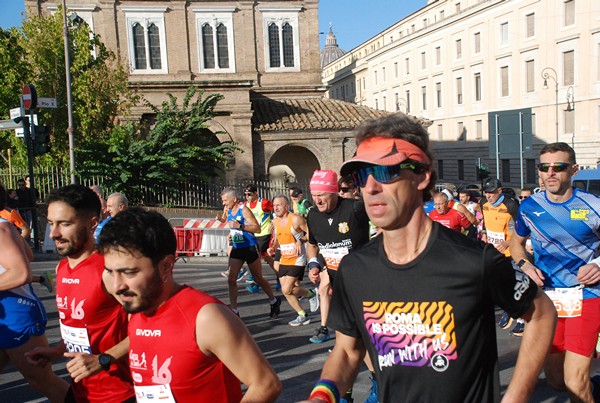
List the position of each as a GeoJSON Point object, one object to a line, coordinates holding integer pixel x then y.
{"type": "Point", "coordinates": [189, 194]}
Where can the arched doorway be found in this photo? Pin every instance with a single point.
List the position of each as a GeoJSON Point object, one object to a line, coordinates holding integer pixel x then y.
{"type": "Point", "coordinates": [294, 163]}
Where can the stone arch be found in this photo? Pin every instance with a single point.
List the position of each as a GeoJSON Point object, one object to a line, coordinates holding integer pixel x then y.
{"type": "Point", "coordinates": [293, 160]}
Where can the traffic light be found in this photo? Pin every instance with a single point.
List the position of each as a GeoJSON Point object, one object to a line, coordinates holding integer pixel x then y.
{"type": "Point", "coordinates": [483, 172]}
{"type": "Point", "coordinates": [41, 141]}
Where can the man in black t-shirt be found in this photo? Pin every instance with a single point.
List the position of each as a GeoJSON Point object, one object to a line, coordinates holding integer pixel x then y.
{"type": "Point", "coordinates": [420, 298]}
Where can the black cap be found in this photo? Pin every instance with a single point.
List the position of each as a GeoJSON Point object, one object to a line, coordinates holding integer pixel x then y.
{"type": "Point", "coordinates": [492, 185]}
{"type": "Point", "coordinates": [297, 192]}
{"type": "Point", "coordinates": [251, 188]}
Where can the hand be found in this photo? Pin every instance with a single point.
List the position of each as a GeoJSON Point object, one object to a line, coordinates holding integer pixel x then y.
{"type": "Point", "coordinates": [588, 274]}
{"type": "Point", "coordinates": [534, 273]}
{"type": "Point", "coordinates": [313, 275]}
{"type": "Point", "coordinates": [270, 252]}
{"type": "Point", "coordinates": [502, 246]}
{"type": "Point", "coordinates": [82, 365]}
{"type": "Point", "coordinates": [42, 356]}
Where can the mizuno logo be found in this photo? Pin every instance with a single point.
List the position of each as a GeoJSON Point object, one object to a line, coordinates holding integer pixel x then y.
{"type": "Point", "coordinates": [147, 332]}
{"type": "Point", "coordinates": [70, 280]}
{"type": "Point", "coordinates": [538, 213]}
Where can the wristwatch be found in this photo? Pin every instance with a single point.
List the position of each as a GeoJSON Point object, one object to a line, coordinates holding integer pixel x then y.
{"type": "Point", "coordinates": [522, 263]}
{"type": "Point", "coordinates": [104, 360]}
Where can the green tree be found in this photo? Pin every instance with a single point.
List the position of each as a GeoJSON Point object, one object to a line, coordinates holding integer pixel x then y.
{"type": "Point", "coordinates": [178, 146]}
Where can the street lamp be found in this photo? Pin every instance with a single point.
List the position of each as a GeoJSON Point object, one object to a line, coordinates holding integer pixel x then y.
{"type": "Point", "coordinates": [70, 129]}
{"type": "Point", "coordinates": [399, 103]}
{"type": "Point", "coordinates": [547, 73]}
{"type": "Point", "coordinates": [571, 108]}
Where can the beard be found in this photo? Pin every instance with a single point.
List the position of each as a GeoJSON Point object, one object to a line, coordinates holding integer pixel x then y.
{"type": "Point", "coordinates": [147, 296]}
{"type": "Point", "coordinates": [74, 247]}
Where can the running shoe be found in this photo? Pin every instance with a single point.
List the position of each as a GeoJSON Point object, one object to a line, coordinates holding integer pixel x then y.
{"type": "Point", "coordinates": [314, 301]}
{"type": "Point", "coordinates": [225, 274]}
{"type": "Point", "coordinates": [518, 329]}
{"type": "Point", "coordinates": [242, 274]}
{"type": "Point", "coordinates": [275, 308]}
{"type": "Point", "coordinates": [47, 281]}
{"type": "Point", "coordinates": [321, 336]}
{"type": "Point", "coordinates": [300, 320]}
{"type": "Point", "coordinates": [250, 279]}
{"type": "Point", "coordinates": [253, 288]}
{"type": "Point", "coordinates": [373, 392]}
{"type": "Point", "coordinates": [505, 321]}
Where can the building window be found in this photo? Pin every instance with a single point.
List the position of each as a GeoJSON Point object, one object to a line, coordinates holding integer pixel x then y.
{"type": "Point", "coordinates": [441, 14]}
{"type": "Point", "coordinates": [395, 69]}
{"type": "Point", "coordinates": [438, 56]}
{"type": "Point", "coordinates": [530, 171]}
{"type": "Point", "coordinates": [504, 81]}
{"type": "Point", "coordinates": [383, 74]}
{"type": "Point", "coordinates": [440, 169]}
{"type": "Point", "coordinates": [505, 171]}
{"type": "Point", "coordinates": [407, 101]}
{"type": "Point", "coordinates": [424, 22]}
{"type": "Point", "coordinates": [440, 132]}
{"type": "Point", "coordinates": [478, 129]}
{"type": "Point", "coordinates": [376, 103]}
{"type": "Point", "coordinates": [424, 97]}
{"type": "Point", "coordinates": [215, 31]}
{"type": "Point", "coordinates": [477, 86]}
{"type": "Point", "coordinates": [462, 133]}
{"type": "Point", "coordinates": [457, 8]}
{"type": "Point", "coordinates": [407, 65]}
{"type": "Point", "coordinates": [375, 77]}
{"type": "Point", "coordinates": [459, 91]}
{"type": "Point", "coordinates": [459, 49]}
{"type": "Point", "coordinates": [397, 101]}
{"type": "Point", "coordinates": [504, 34]}
{"type": "Point", "coordinates": [461, 170]}
{"type": "Point", "coordinates": [385, 103]}
{"type": "Point", "coordinates": [146, 39]}
{"type": "Point", "coordinates": [569, 68]}
{"type": "Point", "coordinates": [438, 94]}
{"type": "Point", "coordinates": [477, 42]}
{"type": "Point", "coordinates": [530, 23]}
{"type": "Point", "coordinates": [281, 38]}
{"type": "Point", "coordinates": [364, 81]}
{"type": "Point", "coordinates": [530, 72]}
{"type": "Point", "coordinates": [423, 61]}
{"type": "Point", "coordinates": [569, 9]}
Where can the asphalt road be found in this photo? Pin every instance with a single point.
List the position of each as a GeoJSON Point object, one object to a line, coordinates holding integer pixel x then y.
{"type": "Point", "coordinates": [297, 361]}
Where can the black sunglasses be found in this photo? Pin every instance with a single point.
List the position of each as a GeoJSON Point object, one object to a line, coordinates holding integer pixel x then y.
{"type": "Point", "coordinates": [248, 193]}
{"type": "Point", "coordinates": [556, 166]}
{"type": "Point", "coordinates": [346, 190]}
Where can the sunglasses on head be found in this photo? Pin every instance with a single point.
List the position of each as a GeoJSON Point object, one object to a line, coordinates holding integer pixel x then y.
{"type": "Point", "coordinates": [383, 173]}
{"type": "Point", "coordinates": [556, 166]}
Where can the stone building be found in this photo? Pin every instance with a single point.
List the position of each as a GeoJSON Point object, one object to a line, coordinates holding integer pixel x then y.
{"type": "Point", "coordinates": [474, 66]}
{"type": "Point", "coordinates": [262, 56]}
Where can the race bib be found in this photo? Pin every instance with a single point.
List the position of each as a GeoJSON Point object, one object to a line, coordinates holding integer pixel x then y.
{"type": "Point", "coordinates": [76, 339]}
{"type": "Point", "coordinates": [495, 237]}
{"type": "Point", "coordinates": [289, 249]}
{"type": "Point", "coordinates": [152, 393]}
{"type": "Point", "coordinates": [333, 257]}
{"type": "Point", "coordinates": [568, 301]}
{"type": "Point", "coordinates": [237, 236]}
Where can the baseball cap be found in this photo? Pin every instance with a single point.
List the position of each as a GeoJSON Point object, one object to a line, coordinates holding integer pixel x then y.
{"type": "Point", "coordinates": [296, 192]}
{"type": "Point", "coordinates": [491, 185]}
{"type": "Point", "coordinates": [383, 151]}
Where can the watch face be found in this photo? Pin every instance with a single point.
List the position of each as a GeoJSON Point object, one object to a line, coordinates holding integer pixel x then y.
{"type": "Point", "coordinates": [104, 361]}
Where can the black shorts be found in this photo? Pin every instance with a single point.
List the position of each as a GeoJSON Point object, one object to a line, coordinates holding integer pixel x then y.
{"type": "Point", "coordinates": [263, 243]}
{"type": "Point", "coordinates": [291, 271]}
{"type": "Point", "coordinates": [331, 274]}
{"type": "Point", "coordinates": [248, 255]}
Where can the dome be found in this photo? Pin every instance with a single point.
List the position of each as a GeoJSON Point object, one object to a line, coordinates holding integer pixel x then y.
{"type": "Point", "coordinates": [331, 51]}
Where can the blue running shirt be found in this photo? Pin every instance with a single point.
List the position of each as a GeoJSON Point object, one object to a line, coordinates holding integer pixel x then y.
{"type": "Point", "coordinates": [240, 238]}
{"type": "Point", "coordinates": [564, 236]}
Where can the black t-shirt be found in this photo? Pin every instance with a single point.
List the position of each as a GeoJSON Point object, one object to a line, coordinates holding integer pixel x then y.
{"type": "Point", "coordinates": [429, 325]}
{"type": "Point", "coordinates": [338, 232]}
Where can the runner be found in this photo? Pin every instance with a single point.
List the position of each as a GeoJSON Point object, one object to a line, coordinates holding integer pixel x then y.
{"type": "Point", "coordinates": [213, 350]}
{"type": "Point", "coordinates": [93, 325]}
{"type": "Point", "coordinates": [23, 319]}
{"type": "Point", "coordinates": [243, 226]}
{"type": "Point", "coordinates": [450, 218]}
{"type": "Point", "coordinates": [421, 297]}
{"type": "Point", "coordinates": [564, 225]}
{"type": "Point", "coordinates": [290, 230]}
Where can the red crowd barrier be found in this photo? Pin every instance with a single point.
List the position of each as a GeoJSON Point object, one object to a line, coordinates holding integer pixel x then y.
{"type": "Point", "coordinates": [189, 240]}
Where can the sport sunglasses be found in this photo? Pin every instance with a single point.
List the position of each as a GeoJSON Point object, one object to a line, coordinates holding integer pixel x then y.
{"type": "Point", "coordinates": [556, 166]}
{"type": "Point", "coordinates": [382, 173]}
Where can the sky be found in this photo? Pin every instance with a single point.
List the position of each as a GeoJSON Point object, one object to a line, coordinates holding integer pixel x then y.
{"type": "Point", "coordinates": [353, 21]}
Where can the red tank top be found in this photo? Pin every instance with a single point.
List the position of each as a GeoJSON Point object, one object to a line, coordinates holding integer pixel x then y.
{"type": "Point", "coordinates": [92, 321]}
{"type": "Point", "coordinates": [163, 351]}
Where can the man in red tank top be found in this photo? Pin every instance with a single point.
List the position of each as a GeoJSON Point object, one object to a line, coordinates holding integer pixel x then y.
{"type": "Point", "coordinates": [93, 325]}
{"type": "Point", "coordinates": [185, 345]}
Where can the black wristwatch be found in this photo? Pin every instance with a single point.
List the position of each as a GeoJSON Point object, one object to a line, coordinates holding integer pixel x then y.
{"type": "Point", "coordinates": [522, 263]}
{"type": "Point", "coordinates": [105, 360]}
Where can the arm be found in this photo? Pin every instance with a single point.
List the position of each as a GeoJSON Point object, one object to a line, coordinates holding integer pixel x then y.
{"type": "Point", "coordinates": [517, 251]}
{"type": "Point", "coordinates": [462, 209]}
{"type": "Point", "coordinates": [13, 258]}
{"type": "Point", "coordinates": [537, 338]}
{"type": "Point", "coordinates": [220, 333]}
{"type": "Point", "coordinates": [83, 365]}
{"type": "Point", "coordinates": [314, 270]}
{"type": "Point", "coordinates": [251, 224]}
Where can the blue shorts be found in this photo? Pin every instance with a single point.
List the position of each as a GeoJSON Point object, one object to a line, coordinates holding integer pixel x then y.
{"type": "Point", "coordinates": [20, 318]}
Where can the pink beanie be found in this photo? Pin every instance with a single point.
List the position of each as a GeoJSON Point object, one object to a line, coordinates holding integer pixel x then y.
{"type": "Point", "coordinates": [324, 181]}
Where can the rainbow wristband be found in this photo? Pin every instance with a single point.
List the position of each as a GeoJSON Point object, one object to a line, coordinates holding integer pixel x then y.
{"type": "Point", "coordinates": [326, 390]}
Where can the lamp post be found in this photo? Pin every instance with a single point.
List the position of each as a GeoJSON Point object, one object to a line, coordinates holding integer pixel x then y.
{"type": "Point", "coordinates": [571, 108]}
{"type": "Point", "coordinates": [70, 128]}
{"type": "Point", "coordinates": [547, 73]}
{"type": "Point", "coordinates": [399, 103]}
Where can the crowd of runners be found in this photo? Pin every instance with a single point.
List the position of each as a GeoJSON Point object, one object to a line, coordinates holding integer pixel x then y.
{"type": "Point", "coordinates": [407, 277]}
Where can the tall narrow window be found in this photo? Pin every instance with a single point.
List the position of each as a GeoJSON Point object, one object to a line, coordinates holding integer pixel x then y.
{"type": "Point", "coordinates": [477, 86]}
{"type": "Point", "coordinates": [478, 129]}
{"type": "Point", "coordinates": [424, 97]}
{"type": "Point", "coordinates": [459, 49]}
{"type": "Point", "coordinates": [154, 46]}
{"type": "Point", "coordinates": [208, 46]}
{"type": "Point", "coordinates": [288, 45]}
{"type": "Point", "coordinates": [477, 42]}
{"type": "Point", "coordinates": [530, 72]}
{"type": "Point", "coordinates": [423, 61]}
{"type": "Point", "coordinates": [407, 101]}
{"type": "Point", "coordinates": [569, 68]}
{"type": "Point", "coordinates": [457, 6]}
{"type": "Point", "coordinates": [440, 132]}
{"type": "Point", "coordinates": [438, 56]}
{"type": "Point", "coordinates": [569, 12]}
{"type": "Point", "coordinates": [530, 23]}
{"type": "Point", "coordinates": [146, 40]}
{"type": "Point", "coordinates": [504, 33]}
{"type": "Point", "coordinates": [462, 134]}
{"type": "Point", "coordinates": [375, 77]}
{"type": "Point", "coordinates": [139, 47]}
{"type": "Point", "coordinates": [274, 56]}
{"type": "Point", "coordinates": [281, 38]}
{"type": "Point", "coordinates": [459, 91]}
{"type": "Point", "coordinates": [407, 64]}
{"type": "Point", "coordinates": [222, 46]}
{"type": "Point", "coordinates": [383, 74]}
{"type": "Point", "coordinates": [438, 94]}
{"type": "Point", "coordinates": [395, 69]}
{"type": "Point", "coordinates": [504, 81]}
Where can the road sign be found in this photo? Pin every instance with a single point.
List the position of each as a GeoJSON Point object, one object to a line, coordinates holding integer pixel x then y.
{"type": "Point", "coordinates": [46, 103]}
{"type": "Point", "coordinates": [29, 97]}
{"type": "Point", "coordinates": [15, 113]}
{"type": "Point", "coordinates": [9, 124]}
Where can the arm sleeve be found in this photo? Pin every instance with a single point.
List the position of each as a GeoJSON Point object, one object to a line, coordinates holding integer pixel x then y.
{"type": "Point", "coordinates": [512, 290]}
